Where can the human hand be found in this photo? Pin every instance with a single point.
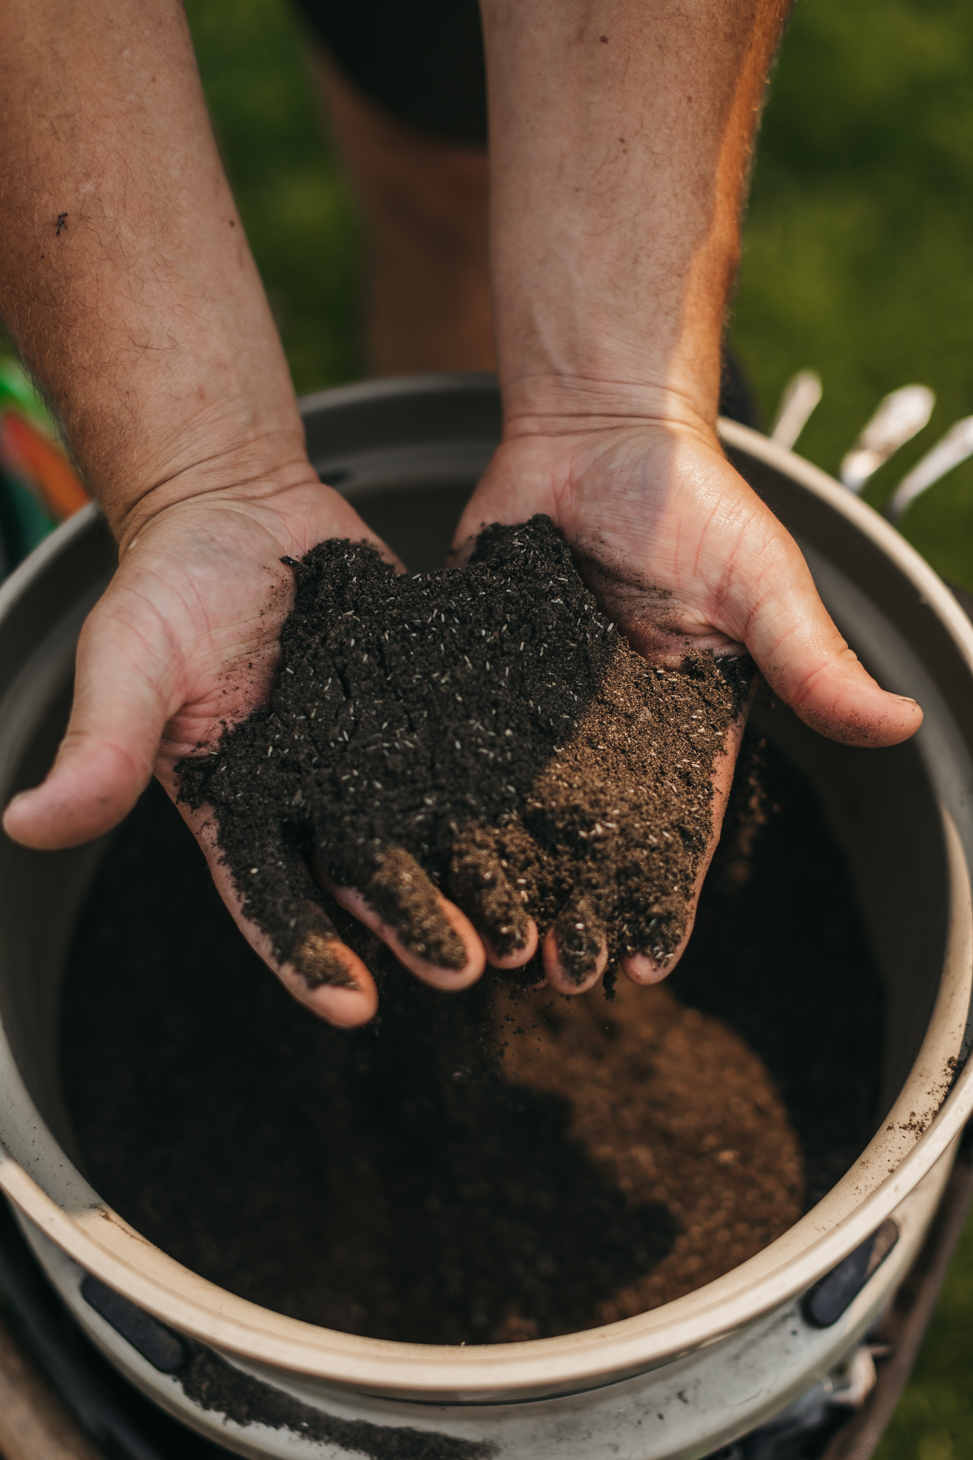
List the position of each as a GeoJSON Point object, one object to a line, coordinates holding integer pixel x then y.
{"type": "Point", "coordinates": [131, 293]}
{"type": "Point", "coordinates": [485, 731]}
{"type": "Point", "coordinates": [683, 556]}
{"type": "Point", "coordinates": [621, 144]}
{"type": "Point", "coordinates": [185, 640]}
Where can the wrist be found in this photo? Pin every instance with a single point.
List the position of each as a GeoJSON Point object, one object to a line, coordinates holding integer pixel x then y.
{"type": "Point", "coordinates": [548, 404]}
{"type": "Point", "coordinates": [254, 472]}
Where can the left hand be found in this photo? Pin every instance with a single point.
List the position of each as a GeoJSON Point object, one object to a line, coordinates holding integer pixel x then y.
{"type": "Point", "coordinates": [682, 554]}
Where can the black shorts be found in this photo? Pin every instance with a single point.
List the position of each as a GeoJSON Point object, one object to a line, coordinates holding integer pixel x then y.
{"type": "Point", "coordinates": [419, 60]}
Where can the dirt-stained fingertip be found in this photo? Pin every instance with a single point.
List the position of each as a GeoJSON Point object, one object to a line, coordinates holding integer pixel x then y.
{"type": "Point", "coordinates": [581, 940]}
{"type": "Point", "coordinates": [479, 885]}
{"type": "Point", "coordinates": [321, 959]}
{"type": "Point", "coordinates": [408, 902]}
{"type": "Point", "coordinates": [449, 978]}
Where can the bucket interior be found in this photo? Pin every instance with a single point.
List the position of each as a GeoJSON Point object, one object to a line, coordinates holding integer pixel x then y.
{"type": "Point", "coordinates": [878, 805]}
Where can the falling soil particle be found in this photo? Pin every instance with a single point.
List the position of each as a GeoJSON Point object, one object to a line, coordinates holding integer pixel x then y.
{"type": "Point", "coordinates": [480, 1167]}
{"type": "Point", "coordinates": [484, 731]}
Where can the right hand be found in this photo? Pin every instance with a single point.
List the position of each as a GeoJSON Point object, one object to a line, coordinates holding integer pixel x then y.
{"type": "Point", "coordinates": [185, 640]}
{"type": "Point", "coordinates": [682, 555]}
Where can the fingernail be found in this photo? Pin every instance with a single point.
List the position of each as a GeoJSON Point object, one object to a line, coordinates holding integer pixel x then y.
{"type": "Point", "coordinates": [656, 971]}
{"type": "Point", "coordinates": [905, 700]}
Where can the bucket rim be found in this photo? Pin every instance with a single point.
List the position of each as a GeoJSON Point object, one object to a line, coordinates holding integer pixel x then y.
{"type": "Point", "coordinates": [49, 1191]}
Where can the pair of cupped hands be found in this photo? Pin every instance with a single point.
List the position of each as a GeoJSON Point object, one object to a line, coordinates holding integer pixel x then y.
{"type": "Point", "coordinates": [677, 549]}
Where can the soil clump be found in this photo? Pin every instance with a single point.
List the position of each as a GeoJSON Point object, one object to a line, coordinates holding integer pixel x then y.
{"type": "Point", "coordinates": [485, 731]}
{"type": "Point", "coordinates": [486, 1166]}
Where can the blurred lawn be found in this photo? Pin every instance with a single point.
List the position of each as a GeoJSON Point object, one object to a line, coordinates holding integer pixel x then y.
{"type": "Point", "coordinates": [860, 235]}
{"type": "Point", "coordinates": [858, 243]}
{"type": "Point", "coordinates": [858, 264]}
{"type": "Point", "coordinates": [291, 195]}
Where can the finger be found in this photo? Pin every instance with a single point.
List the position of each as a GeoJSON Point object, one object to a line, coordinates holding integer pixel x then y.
{"type": "Point", "coordinates": [785, 626]}
{"type": "Point", "coordinates": [315, 967]}
{"type": "Point", "coordinates": [575, 950]}
{"type": "Point", "coordinates": [428, 934]}
{"type": "Point", "coordinates": [481, 888]}
{"type": "Point", "coordinates": [326, 976]}
{"type": "Point", "coordinates": [653, 966]}
{"type": "Point", "coordinates": [650, 966]}
{"type": "Point", "coordinates": [122, 700]}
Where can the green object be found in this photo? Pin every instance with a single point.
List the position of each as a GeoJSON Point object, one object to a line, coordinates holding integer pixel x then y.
{"type": "Point", "coordinates": [17, 391]}
{"type": "Point", "coordinates": [23, 521]}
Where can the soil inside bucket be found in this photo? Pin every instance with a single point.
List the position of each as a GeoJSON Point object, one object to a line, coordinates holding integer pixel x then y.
{"type": "Point", "coordinates": [478, 1167]}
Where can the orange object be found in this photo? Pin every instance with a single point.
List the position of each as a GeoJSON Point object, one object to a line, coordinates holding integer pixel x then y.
{"type": "Point", "coordinates": [30, 455]}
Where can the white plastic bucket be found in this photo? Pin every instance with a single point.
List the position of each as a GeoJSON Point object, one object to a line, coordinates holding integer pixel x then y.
{"type": "Point", "coordinates": [681, 1379]}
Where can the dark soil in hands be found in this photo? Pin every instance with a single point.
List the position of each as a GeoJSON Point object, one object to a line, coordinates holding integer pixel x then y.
{"type": "Point", "coordinates": [484, 731]}
{"type": "Point", "coordinates": [482, 1166]}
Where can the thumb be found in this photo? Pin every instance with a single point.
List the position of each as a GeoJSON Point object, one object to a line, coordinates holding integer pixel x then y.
{"type": "Point", "coordinates": [107, 755]}
{"type": "Point", "coordinates": [808, 664]}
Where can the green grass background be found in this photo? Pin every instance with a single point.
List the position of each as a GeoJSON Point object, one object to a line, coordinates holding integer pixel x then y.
{"type": "Point", "coordinates": [858, 243]}
{"type": "Point", "coordinates": [857, 264]}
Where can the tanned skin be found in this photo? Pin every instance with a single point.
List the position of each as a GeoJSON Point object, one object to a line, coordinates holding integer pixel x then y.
{"type": "Point", "coordinates": [621, 134]}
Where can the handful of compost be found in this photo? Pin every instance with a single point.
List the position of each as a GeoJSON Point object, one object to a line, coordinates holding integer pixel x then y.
{"type": "Point", "coordinates": [479, 734]}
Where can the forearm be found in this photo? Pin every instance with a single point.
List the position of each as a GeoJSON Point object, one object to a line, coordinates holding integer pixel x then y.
{"type": "Point", "coordinates": [125, 276]}
{"type": "Point", "coordinates": [620, 137]}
